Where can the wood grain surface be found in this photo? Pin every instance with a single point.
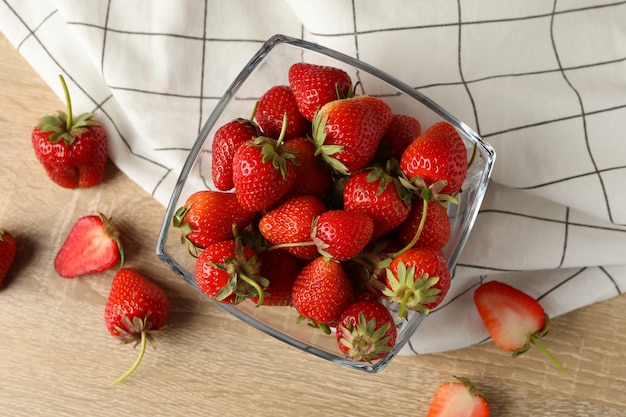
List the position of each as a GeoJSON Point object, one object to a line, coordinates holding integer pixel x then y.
{"type": "Point", "coordinates": [57, 358]}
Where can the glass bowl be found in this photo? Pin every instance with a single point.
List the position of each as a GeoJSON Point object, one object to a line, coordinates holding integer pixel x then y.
{"type": "Point", "coordinates": [269, 67]}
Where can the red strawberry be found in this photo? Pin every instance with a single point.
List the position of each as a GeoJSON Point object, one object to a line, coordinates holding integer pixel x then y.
{"type": "Point", "coordinates": [366, 331]}
{"type": "Point", "coordinates": [418, 279]}
{"type": "Point", "coordinates": [91, 246]}
{"type": "Point", "coordinates": [342, 234]}
{"type": "Point", "coordinates": [227, 139]}
{"type": "Point", "coordinates": [8, 249]}
{"type": "Point", "coordinates": [263, 172]}
{"type": "Point", "coordinates": [435, 231]}
{"type": "Point", "coordinates": [514, 319]}
{"type": "Point", "coordinates": [290, 224]}
{"type": "Point", "coordinates": [312, 176]}
{"type": "Point", "coordinates": [437, 158]}
{"type": "Point", "coordinates": [280, 268]}
{"type": "Point", "coordinates": [227, 272]}
{"type": "Point", "coordinates": [380, 196]}
{"type": "Point", "coordinates": [73, 151]}
{"type": "Point", "coordinates": [321, 292]}
{"type": "Point", "coordinates": [136, 310]}
{"type": "Point", "coordinates": [208, 217]}
{"type": "Point", "coordinates": [402, 130]}
{"type": "Point", "coordinates": [458, 399]}
{"type": "Point", "coordinates": [271, 110]}
{"type": "Point", "coordinates": [347, 132]}
{"type": "Point", "coordinates": [315, 85]}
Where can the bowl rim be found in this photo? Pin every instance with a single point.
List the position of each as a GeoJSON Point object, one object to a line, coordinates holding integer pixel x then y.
{"type": "Point", "coordinates": [161, 251]}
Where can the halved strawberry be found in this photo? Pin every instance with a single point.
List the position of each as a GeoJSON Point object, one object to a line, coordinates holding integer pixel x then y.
{"type": "Point", "coordinates": [91, 246]}
{"type": "Point", "coordinates": [513, 318]}
{"type": "Point", "coordinates": [458, 399]}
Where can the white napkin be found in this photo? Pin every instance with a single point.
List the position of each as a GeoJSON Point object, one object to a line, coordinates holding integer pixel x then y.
{"type": "Point", "coordinates": [543, 82]}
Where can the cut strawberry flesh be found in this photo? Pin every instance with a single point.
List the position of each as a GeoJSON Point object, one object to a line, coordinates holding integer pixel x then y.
{"type": "Point", "coordinates": [88, 249]}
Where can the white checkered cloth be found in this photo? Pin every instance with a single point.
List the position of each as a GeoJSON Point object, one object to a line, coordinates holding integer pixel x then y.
{"type": "Point", "coordinates": [543, 81]}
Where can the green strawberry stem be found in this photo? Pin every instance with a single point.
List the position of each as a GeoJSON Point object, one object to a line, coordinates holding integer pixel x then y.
{"type": "Point", "coordinates": [256, 287]}
{"type": "Point", "coordinates": [535, 341]}
{"type": "Point", "coordinates": [291, 245]}
{"type": "Point", "coordinates": [418, 232]}
{"type": "Point", "coordinates": [142, 351]}
{"type": "Point", "coordinates": [68, 103]}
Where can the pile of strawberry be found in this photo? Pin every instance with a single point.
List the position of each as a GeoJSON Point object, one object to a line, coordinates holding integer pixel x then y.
{"type": "Point", "coordinates": [338, 209]}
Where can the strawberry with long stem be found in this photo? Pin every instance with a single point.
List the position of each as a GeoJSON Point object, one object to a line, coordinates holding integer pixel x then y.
{"type": "Point", "coordinates": [73, 151]}
{"type": "Point", "coordinates": [136, 310]}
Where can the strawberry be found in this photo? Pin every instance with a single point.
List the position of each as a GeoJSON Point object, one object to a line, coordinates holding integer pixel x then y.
{"type": "Point", "coordinates": [312, 176]}
{"type": "Point", "coordinates": [321, 292]}
{"type": "Point", "coordinates": [435, 231]}
{"type": "Point", "coordinates": [315, 85]}
{"type": "Point", "coordinates": [8, 249]}
{"type": "Point", "coordinates": [342, 234]}
{"type": "Point", "coordinates": [403, 129]}
{"type": "Point", "coordinates": [380, 196]}
{"type": "Point", "coordinates": [418, 279]}
{"type": "Point", "coordinates": [366, 331]}
{"type": "Point", "coordinates": [274, 104]}
{"type": "Point", "coordinates": [227, 272]}
{"type": "Point", "coordinates": [437, 159]}
{"type": "Point", "coordinates": [263, 172]}
{"type": "Point", "coordinates": [513, 318]}
{"type": "Point", "coordinates": [280, 268]}
{"type": "Point", "coordinates": [136, 310]}
{"type": "Point", "coordinates": [227, 139]}
{"type": "Point", "coordinates": [209, 217]}
{"type": "Point", "coordinates": [347, 132]}
{"type": "Point", "coordinates": [73, 151]}
{"type": "Point", "coordinates": [290, 224]}
{"type": "Point", "coordinates": [92, 246]}
{"type": "Point", "coordinates": [458, 399]}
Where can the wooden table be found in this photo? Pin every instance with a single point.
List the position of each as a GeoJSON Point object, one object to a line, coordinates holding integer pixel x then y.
{"type": "Point", "coordinates": [57, 358]}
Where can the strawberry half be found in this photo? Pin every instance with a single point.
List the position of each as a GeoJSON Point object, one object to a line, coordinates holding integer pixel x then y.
{"type": "Point", "coordinates": [513, 318]}
{"type": "Point", "coordinates": [458, 399]}
{"type": "Point", "coordinates": [91, 246]}
{"type": "Point", "coordinates": [8, 249]}
{"type": "Point", "coordinates": [73, 151]}
{"type": "Point", "coordinates": [136, 310]}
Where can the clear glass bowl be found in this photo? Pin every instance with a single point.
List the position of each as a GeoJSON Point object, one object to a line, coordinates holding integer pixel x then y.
{"type": "Point", "coordinates": [269, 67]}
